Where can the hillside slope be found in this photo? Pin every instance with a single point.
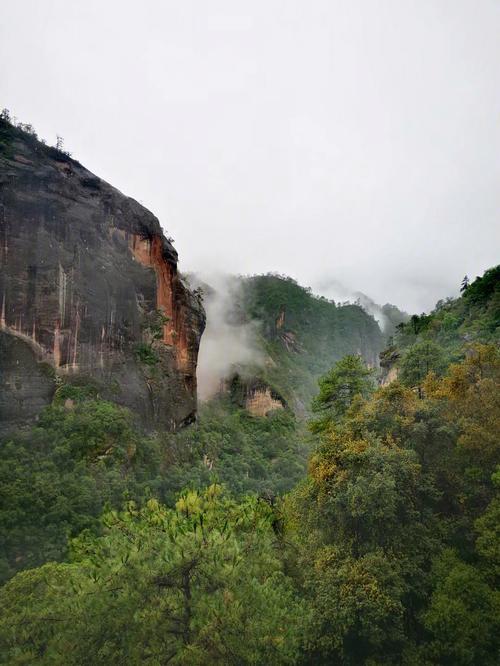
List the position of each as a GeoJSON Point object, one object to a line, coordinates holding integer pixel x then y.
{"type": "Point", "coordinates": [446, 332]}
{"type": "Point", "coordinates": [291, 336]}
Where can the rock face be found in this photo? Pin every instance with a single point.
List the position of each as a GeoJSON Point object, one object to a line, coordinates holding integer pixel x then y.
{"type": "Point", "coordinates": [253, 394]}
{"type": "Point", "coordinates": [261, 402]}
{"type": "Point", "coordinates": [89, 288]}
{"type": "Point", "coordinates": [389, 369]}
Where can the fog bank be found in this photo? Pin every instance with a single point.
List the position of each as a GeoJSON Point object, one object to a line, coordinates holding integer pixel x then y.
{"type": "Point", "coordinates": [229, 340]}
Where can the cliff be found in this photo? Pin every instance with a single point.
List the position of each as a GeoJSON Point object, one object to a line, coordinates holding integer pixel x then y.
{"type": "Point", "coordinates": [89, 291]}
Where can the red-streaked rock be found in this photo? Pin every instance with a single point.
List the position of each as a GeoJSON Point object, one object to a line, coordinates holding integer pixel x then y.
{"type": "Point", "coordinates": [84, 273]}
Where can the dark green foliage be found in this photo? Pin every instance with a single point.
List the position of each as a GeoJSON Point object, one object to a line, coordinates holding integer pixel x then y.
{"type": "Point", "coordinates": [201, 584]}
{"type": "Point", "coordinates": [305, 334]}
{"type": "Point", "coordinates": [464, 615]}
{"type": "Point", "coordinates": [146, 354]}
{"type": "Point", "coordinates": [76, 392]}
{"type": "Point", "coordinates": [86, 453]}
{"type": "Point", "coordinates": [263, 455]}
{"type": "Point", "coordinates": [337, 389]}
{"type": "Point", "coordinates": [474, 317]}
{"type": "Point", "coordinates": [483, 288]}
{"type": "Point", "coordinates": [56, 479]}
{"type": "Point", "coordinates": [387, 552]}
{"type": "Point", "coordinates": [397, 522]}
{"type": "Point", "coordinates": [11, 129]}
{"type": "Point", "coordinates": [6, 135]}
{"type": "Point", "coordinates": [158, 321]}
{"type": "Point", "coordinates": [420, 359]}
{"type": "Point", "coordinates": [152, 331]}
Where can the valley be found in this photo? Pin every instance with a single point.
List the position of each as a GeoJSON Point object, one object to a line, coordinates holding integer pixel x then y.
{"type": "Point", "coordinates": [231, 472]}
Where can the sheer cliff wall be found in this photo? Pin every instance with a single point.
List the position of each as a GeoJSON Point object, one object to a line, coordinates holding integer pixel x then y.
{"type": "Point", "coordinates": [89, 289]}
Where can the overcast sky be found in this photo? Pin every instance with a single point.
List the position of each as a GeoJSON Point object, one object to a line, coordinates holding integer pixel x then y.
{"type": "Point", "coordinates": [356, 141]}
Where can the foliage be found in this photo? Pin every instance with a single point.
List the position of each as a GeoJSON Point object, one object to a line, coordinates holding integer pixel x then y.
{"type": "Point", "coordinates": [85, 454]}
{"type": "Point", "coordinates": [247, 454]}
{"type": "Point", "coordinates": [474, 317]}
{"type": "Point", "coordinates": [199, 584]}
{"type": "Point", "coordinates": [56, 478]}
{"type": "Point", "coordinates": [396, 524]}
{"type": "Point", "coordinates": [314, 334]}
{"type": "Point", "coordinates": [420, 359]}
{"type": "Point", "coordinates": [463, 617]}
{"type": "Point", "coordinates": [146, 354]}
{"type": "Point", "coordinates": [11, 128]}
{"type": "Point", "coordinates": [386, 552]}
{"type": "Point", "coordinates": [348, 379]}
{"type": "Point", "coordinates": [483, 288]}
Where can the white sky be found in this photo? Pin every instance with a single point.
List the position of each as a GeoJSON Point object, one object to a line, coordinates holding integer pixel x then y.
{"type": "Point", "coordinates": [356, 141]}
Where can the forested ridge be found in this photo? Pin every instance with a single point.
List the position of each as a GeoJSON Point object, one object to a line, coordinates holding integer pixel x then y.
{"type": "Point", "coordinates": [305, 334]}
{"type": "Point", "coordinates": [369, 535]}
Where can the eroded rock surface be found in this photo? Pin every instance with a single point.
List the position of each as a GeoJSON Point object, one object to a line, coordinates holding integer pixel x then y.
{"type": "Point", "coordinates": [89, 287]}
{"type": "Point", "coordinates": [261, 402]}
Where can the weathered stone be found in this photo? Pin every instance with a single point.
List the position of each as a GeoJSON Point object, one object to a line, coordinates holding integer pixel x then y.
{"type": "Point", "coordinates": [253, 393]}
{"type": "Point", "coordinates": [88, 285]}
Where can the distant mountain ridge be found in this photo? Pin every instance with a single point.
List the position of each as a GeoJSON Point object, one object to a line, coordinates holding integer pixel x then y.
{"type": "Point", "coordinates": [296, 335]}
{"type": "Point", "coordinates": [89, 291]}
{"type": "Point", "coordinates": [455, 323]}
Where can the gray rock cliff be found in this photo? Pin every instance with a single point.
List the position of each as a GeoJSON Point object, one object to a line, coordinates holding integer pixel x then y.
{"type": "Point", "coordinates": [89, 290]}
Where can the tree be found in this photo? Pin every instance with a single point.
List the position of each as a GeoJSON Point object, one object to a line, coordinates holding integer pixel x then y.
{"type": "Point", "coordinates": [488, 531]}
{"type": "Point", "coordinates": [472, 401]}
{"type": "Point", "coordinates": [483, 288]}
{"type": "Point", "coordinates": [198, 584]}
{"type": "Point", "coordinates": [358, 610]}
{"type": "Point", "coordinates": [465, 284]}
{"type": "Point", "coordinates": [56, 478]}
{"type": "Point", "coordinates": [420, 359]}
{"type": "Point", "coordinates": [365, 533]}
{"type": "Point", "coordinates": [362, 492]}
{"type": "Point", "coordinates": [349, 377]}
{"type": "Point", "coordinates": [463, 617]}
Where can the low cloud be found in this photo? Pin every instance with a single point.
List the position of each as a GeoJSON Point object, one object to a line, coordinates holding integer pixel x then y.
{"type": "Point", "coordinates": [229, 339]}
{"type": "Point", "coordinates": [338, 292]}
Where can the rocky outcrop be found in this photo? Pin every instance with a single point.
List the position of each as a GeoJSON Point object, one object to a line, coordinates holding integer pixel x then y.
{"type": "Point", "coordinates": [260, 402]}
{"type": "Point", "coordinates": [253, 394]}
{"type": "Point", "coordinates": [89, 287]}
{"type": "Point", "coordinates": [389, 370]}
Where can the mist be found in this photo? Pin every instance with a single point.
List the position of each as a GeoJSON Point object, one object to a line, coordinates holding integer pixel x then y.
{"type": "Point", "coordinates": [229, 342]}
{"type": "Point", "coordinates": [340, 293]}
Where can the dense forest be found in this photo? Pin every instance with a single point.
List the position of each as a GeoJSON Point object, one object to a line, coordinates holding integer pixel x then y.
{"type": "Point", "coordinates": [304, 334]}
{"type": "Point", "coordinates": [368, 535]}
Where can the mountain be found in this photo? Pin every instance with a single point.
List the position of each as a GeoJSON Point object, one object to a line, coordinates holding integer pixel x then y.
{"type": "Point", "coordinates": [454, 325]}
{"type": "Point", "coordinates": [357, 528]}
{"type": "Point", "coordinates": [89, 293]}
{"type": "Point", "coordinates": [388, 316]}
{"type": "Point", "coordinates": [372, 539]}
{"type": "Point", "coordinates": [267, 342]}
{"type": "Point", "coordinates": [278, 338]}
